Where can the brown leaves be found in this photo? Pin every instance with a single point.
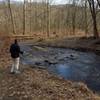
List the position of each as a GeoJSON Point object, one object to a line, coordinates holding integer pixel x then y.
{"type": "Point", "coordinates": [37, 84]}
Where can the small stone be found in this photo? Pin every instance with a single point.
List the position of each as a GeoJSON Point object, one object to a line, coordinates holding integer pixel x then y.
{"type": "Point", "coordinates": [25, 96]}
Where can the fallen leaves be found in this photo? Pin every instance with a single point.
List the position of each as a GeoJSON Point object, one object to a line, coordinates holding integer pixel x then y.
{"type": "Point", "coordinates": [39, 84]}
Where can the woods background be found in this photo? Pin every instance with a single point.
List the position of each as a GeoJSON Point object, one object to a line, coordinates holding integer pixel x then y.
{"type": "Point", "coordinates": [47, 19]}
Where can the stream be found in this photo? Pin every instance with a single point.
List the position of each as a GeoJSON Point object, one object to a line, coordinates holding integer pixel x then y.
{"type": "Point", "coordinates": [66, 63]}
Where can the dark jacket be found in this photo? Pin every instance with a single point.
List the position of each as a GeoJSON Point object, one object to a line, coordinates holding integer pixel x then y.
{"type": "Point", "coordinates": [15, 50]}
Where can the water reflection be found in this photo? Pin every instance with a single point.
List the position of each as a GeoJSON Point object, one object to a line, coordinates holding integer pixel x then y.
{"type": "Point", "coordinates": [64, 70]}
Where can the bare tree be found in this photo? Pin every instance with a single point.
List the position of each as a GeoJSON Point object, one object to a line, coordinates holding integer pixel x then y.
{"type": "Point", "coordinates": [24, 6]}
{"type": "Point", "coordinates": [12, 21]}
{"type": "Point", "coordinates": [73, 16]}
{"type": "Point", "coordinates": [93, 13]}
{"type": "Point", "coordinates": [35, 16]}
{"type": "Point", "coordinates": [30, 14]}
{"type": "Point", "coordinates": [48, 18]}
{"type": "Point", "coordinates": [6, 16]}
{"type": "Point", "coordinates": [98, 1]}
{"type": "Point", "coordinates": [86, 24]}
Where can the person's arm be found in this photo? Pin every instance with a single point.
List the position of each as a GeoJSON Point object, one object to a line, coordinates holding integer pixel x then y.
{"type": "Point", "coordinates": [21, 52]}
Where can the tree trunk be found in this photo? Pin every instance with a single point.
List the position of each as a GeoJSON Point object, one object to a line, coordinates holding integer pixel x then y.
{"type": "Point", "coordinates": [48, 18]}
{"type": "Point", "coordinates": [24, 18]}
{"type": "Point", "coordinates": [86, 25]}
{"type": "Point", "coordinates": [96, 35]}
{"type": "Point", "coordinates": [98, 1]}
{"type": "Point", "coordinates": [93, 13]}
{"type": "Point", "coordinates": [30, 15]}
{"type": "Point", "coordinates": [74, 17]}
{"type": "Point", "coordinates": [12, 21]}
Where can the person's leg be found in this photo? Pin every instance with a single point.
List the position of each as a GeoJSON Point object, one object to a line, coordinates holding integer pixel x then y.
{"type": "Point", "coordinates": [13, 66]}
{"type": "Point", "coordinates": [17, 64]}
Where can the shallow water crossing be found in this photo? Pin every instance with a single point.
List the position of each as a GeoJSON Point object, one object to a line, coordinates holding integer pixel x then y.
{"type": "Point", "coordinates": [66, 63]}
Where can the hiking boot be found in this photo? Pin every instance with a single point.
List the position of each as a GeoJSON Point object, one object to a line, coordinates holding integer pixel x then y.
{"type": "Point", "coordinates": [12, 72]}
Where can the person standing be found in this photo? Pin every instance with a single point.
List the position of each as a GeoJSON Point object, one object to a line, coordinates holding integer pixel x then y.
{"type": "Point", "coordinates": [15, 54]}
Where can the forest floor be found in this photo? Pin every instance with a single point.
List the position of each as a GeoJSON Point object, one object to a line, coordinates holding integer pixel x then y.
{"type": "Point", "coordinates": [37, 84]}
